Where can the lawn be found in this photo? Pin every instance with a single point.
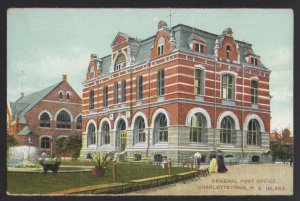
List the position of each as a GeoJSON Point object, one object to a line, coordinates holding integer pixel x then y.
{"type": "Point", "coordinates": [37, 183]}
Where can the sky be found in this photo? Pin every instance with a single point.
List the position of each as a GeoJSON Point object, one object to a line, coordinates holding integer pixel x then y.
{"type": "Point", "coordinates": [47, 43]}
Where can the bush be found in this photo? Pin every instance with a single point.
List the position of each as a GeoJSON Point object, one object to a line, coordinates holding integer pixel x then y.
{"type": "Point", "coordinates": [11, 140]}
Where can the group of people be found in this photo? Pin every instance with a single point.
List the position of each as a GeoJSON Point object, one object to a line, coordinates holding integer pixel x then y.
{"type": "Point", "coordinates": [217, 164]}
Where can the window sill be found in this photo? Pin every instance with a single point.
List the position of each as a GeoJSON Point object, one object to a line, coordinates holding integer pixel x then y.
{"type": "Point", "coordinates": [138, 102]}
{"type": "Point", "coordinates": [63, 129]}
{"type": "Point", "coordinates": [45, 127]}
{"type": "Point", "coordinates": [160, 98]}
{"type": "Point", "coordinates": [254, 106]}
{"type": "Point", "coordinates": [91, 146]}
{"type": "Point", "coordinates": [140, 144]}
{"type": "Point", "coordinates": [105, 109]}
{"type": "Point", "coordinates": [226, 145]}
{"type": "Point", "coordinates": [228, 102]}
{"type": "Point", "coordinates": [199, 97]}
{"type": "Point", "coordinates": [198, 144]}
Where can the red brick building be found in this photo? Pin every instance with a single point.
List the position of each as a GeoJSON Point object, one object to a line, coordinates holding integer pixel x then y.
{"type": "Point", "coordinates": [45, 116]}
{"type": "Point", "coordinates": [177, 92]}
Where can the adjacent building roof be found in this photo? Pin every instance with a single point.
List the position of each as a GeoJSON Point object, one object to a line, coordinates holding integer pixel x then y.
{"type": "Point", "coordinates": [182, 34]}
{"type": "Point", "coordinates": [26, 131]}
{"type": "Point", "coordinates": [25, 103]}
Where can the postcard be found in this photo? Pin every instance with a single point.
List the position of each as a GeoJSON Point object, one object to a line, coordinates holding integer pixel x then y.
{"type": "Point", "coordinates": [150, 102]}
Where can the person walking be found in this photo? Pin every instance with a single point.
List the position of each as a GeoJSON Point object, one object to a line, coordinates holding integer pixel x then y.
{"type": "Point", "coordinates": [221, 165]}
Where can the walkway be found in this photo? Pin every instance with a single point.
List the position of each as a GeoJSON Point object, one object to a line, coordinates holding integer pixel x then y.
{"type": "Point", "coordinates": [255, 179]}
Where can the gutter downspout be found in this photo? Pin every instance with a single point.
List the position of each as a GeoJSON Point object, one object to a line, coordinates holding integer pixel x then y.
{"type": "Point", "coordinates": [148, 141]}
{"type": "Point", "coordinates": [215, 103]}
{"type": "Point", "coordinates": [242, 126]}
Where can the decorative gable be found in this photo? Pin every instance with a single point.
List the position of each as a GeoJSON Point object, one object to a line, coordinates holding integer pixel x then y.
{"type": "Point", "coordinates": [119, 40]}
{"type": "Point", "coordinates": [226, 49]}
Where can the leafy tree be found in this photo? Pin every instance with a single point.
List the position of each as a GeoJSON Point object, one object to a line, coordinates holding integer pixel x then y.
{"type": "Point", "coordinates": [11, 140]}
{"type": "Point", "coordinates": [281, 150]}
{"type": "Point", "coordinates": [72, 144]}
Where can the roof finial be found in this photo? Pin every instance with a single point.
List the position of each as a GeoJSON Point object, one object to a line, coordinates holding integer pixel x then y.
{"type": "Point", "coordinates": [22, 92]}
{"type": "Point", "coordinates": [170, 16]}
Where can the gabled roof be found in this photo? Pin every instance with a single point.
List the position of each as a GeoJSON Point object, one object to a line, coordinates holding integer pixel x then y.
{"type": "Point", "coordinates": [25, 103]}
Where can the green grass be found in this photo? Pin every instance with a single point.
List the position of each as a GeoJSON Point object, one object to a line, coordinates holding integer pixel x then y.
{"type": "Point", "coordinates": [37, 183]}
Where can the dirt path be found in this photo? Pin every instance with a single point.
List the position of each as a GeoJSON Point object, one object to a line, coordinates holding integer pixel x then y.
{"type": "Point", "coordinates": [260, 179]}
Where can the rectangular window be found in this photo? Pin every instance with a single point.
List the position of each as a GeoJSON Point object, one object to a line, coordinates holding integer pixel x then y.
{"type": "Point", "coordinates": [254, 61]}
{"type": "Point", "coordinates": [227, 87]}
{"type": "Point", "coordinates": [139, 85]}
{"type": "Point", "coordinates": [123, 91]}
{"type": "Point", "coordinates": [105, 96]}
{"type": "Point", "coordinates": [254, 92]}
{"type": "Point", "coordinates": [161, 82]}
{"type": "Point", "coordinates": [116, 93]}
{"type": "Point", "coordinates": [198, 82]}
{"type": "Point", "coordinates": [160, 49]}
{"type": "Point", "coordinates": [91, 99]}
{"type": "Point", "coordinates": [200, 48]}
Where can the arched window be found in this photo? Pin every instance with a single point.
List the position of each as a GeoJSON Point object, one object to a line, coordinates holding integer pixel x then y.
{"type": "Point", "coordinates": [91, 135]}
{"type": "Point", "coordinates": [160, 46]}
{"type": "Point", "coordinates": [92, 73]}
{"type": "Point", "coordinates": [227, 86]}
{"type": "Point", "coordinates": [227, 129]}
{"type": "Point", "coordinates": [228, 49]}
{"type": "Point", "coordinates": [68, 95]}
{"type": "Point", "coordinates": [92, 99]}
{"type": "Point", "coordinates": [120, 62]}
{"type": "Point", "coordinates": [105, 133]}
{"type": "Point", "coordinates": [63, 120]}
{"type": "Point", "coordinates": [254, 91]}
{"type": "Point", "coordinates": [45, 120]}
{"type": "Point", "coordinates": [45, 143]}
{"type": "Point", "coordinates": [253, 132]}
{"type": "Point", "coordinates": [139, 130]}
{"type": "Point", "coordinates": [79, 123]}
{"type": "Point", "coordinates": [197, 129]}
{"type": "Point", "coordinates": [60, 95]}
{"type": "Point", "coordinates": [161, 128]}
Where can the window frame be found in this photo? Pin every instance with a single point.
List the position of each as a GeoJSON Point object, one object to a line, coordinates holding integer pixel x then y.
{"type": "Point", "coordinates": [116, 93]}
{"type": "Point", "coordinates": [65, 121]}
{"type": "Point", "coordinates": [45, 144]}
{"type": "Point", "coordinates": [227, 86]}
{"type": "Point", "coordinates": [197, 128]}
{"type": "Point", "coordinates": [123, 84]}
{"type": "Point", "coordinates": [79, 123]}
{"type": "Point", "coordinates": [199, 82]}
{"type": "Point", "coordinates": [91, 135]}
{"type": "Point", "coordinates": [105, 131]}
{"type": "Point", "coordinates": [228, 51]}
{"type": "Point", "coordinates": [161, 46]}
{"type": "Point", "coordinates": [92, 99]}
{"type": "Point", "coordinates": [253, 134]}
{"type": "Point", "coordinates": [45, 123]}
{"type": "Point", "coordinates": [105, 96]}
{"type": "Point", "coordinates": [139, 84]}
{"type": "Point", "coordinates": [199, 47]}
{"type": "Point", "coordinates": [254, 92]}
{"type": "Point", "coordinates": [226, 132]}
{"type": "Point", "coordinates": [161, 82]}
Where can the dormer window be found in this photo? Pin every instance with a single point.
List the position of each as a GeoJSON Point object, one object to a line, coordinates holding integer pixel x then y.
{"type": "Point", "coordinates": [254, 61]}
{"type": "Point", "coordinates": [200, 48]}
{"type": "Point", "coordinates": [120, 62]}
{"type": "Point", "coordinates": [92, 73]}
{"type": "Point", "coordinates": [160, 46]}
{"type": "Point", "coordinates": [228, 49]}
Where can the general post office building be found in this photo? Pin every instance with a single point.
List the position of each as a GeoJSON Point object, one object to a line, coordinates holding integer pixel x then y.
{"type": "Point", "coordinates": [178, 92]}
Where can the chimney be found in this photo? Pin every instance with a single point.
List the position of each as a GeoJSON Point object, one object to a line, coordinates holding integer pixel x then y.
{"type": "Point", "coordinates": [17, 124]}
{"type": "Point", "coordinates": [65, 78]}
{"type": "Point", "coordinates": [22, 94]}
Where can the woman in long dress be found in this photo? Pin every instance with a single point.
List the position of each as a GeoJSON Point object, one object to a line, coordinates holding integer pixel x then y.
{"type": "Point", "coordinates": [221, 165]}
{"type": "Point", "coordinates": [213, 167]}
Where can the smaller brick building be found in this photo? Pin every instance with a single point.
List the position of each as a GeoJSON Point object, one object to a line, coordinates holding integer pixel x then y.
{"type": "Point", "coordinates": [44, 116]}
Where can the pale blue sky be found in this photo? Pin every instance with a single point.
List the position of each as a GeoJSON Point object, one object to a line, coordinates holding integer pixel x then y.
{"type": "Point", "coordinates": [47, 43]}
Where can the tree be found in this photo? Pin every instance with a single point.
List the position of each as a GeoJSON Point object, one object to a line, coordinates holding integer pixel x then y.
{"type": "Point", "coordinates": [11, 140]}
{"type": "Point", "coordinates": [72, 144]}
{"type": "Point", "coordinates": [281, 150]}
